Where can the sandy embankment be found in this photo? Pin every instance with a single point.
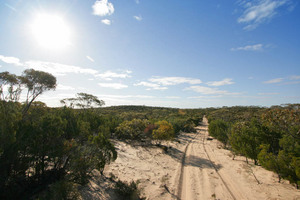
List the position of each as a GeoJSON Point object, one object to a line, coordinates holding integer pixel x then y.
{"type": "Point", "coordinates": [208, 173]}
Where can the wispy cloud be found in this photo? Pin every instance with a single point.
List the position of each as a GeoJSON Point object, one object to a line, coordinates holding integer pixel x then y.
{"type": "Point", "coordinates": [106, 21]}
{"type": "Point", "coordinates": [108, 75]}
{"type": "Point", "coordinates": [256, 47]}
{"type": "Point", "coordinates": [172, 97]}
{"type": "Point", "coordinates": [58, 69]}
{"type": "Point", "coordinates": [64, 87]}
{"type": "Point", "coordinates": [11, 60]}
{"type": "Point", "coordinates": [259, 11]}
{"type": "Point", "coordinates": [103, 8]}
{"type": "Point", "coordinates": [116, 86]}
{"type": "Point", "coordinates": [127, 96]}
{"type": "Point", "coordinates": [210, 91]}
{"type": "Point", "coordinates": [294, 77]}
{"type": "Point", "coordinates": [226, 81]}
{"type": "Point", "coordinates": [10, 7]}
{"type": "Point", "coordinates": [90, 58]}
{"type": "Point", "coordinates": [206, 90]}
{"type": "Point", "coordinates": [137, 1]}
{"type": "Point", "coordinates": [174, 80]}
{"type": "Point", "coordinates": [276, 80]}
{"type": "Point", "coordinates": [268, 93]}
{"type": "Point", "coordinates": [205, 97]}
{"type": "Point", "coordinates": [150, 86]}
{"type": "Point", "coordinates": [138, 18]}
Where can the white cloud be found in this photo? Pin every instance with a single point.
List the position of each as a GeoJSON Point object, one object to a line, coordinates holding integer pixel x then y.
{"type": "Point", "coordinates": [259, 11]}
{"type": "Point", "coordinates": [137, 1]}
{"type": "Point", "coordinates": [116, 86]}
{"type": "Point", "coordinates": [150, 86]}
{"type": "Point", "coordinates": [138, 18]}
{"type": "Point", "coordinates": [58, 69]}
{"type": "Point", "coordinates": [106, 21]}
{"type": "Point", "coordinates": [268, 93]}
{"type": "Point", "coordinates": [276, 80]}
{"type": "Point", "coordinates": [108, 75]}
{"type": "Point", "coordinates": [174, 80]}
{"type": "Point", "coordinates": [64, 87]}
{"type": "Point", "coordinates": [256, 47]}
{"type": "Point", "coordinates": [103, 8]}
{"type": "Point", "coordinates": [127, 96]}
{"type": "Point", "coordinates": [172, 97]}
{"type": "Point", "coordinates": [204, 97]}
{"type": "Point", "coordinates": [294, 77]}
{"type": "Point", "coordinates": [11, 60]}
{"type": "Point", "coordinates": [226, 81]}
{"type": "Point", "coordinates": [206, 90]}
{"type": "Point", "coordinates": [90, 58]}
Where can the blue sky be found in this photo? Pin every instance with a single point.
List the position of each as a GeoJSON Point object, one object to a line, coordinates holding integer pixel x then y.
{"type": "Point", "coordinates": [185, 54]}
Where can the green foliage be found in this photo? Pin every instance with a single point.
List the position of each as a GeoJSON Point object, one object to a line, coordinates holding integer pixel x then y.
{"type": "Point", "coordinates": [134, 129]}
{"type": "Point", "coordinates": [13, 84]}
{"type": "Point", "coordinates": [128, 191]}
{"type": "Point", "coordinates": [183, 124]}
{"type": "Point", "coordinates": [245, 138]}
{"type": "Point", "coordinates": [48, 147]}
{"type": "Point", "coordinates": [165, 131]}
{"type": "Point", "coordinates": [61, 189]}
{"type": "Point", "coordinates": [269, 135]}
{"type": "Point", "coordinates": [36, 82]}
{"type": "Point", "coordinates": [220, 130]}
{"type": "Point", "coordinates": [84, 101]}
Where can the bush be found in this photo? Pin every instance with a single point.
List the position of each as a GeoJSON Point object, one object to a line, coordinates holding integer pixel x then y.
{"type": "Point", "coordinates": [61, 190]}
{"type": "Point", "coordinates": [219, 129]}
{"type": "Point", "coordinates": [165, 131]}
{"type": "Point", "coordinates": [134, 129]}
{"type": "Point", "coordinates": [128, 191]}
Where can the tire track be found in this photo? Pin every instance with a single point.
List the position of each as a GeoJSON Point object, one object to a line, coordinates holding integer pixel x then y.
{"type": "Point", "coordinates": [216, 169]}
{"type": "Point", "coordinates": [180, 185]}
{"type": "Point", "coordinates": [203, 184]}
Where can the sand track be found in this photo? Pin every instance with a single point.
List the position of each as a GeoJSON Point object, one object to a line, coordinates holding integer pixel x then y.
{"type": "Point", "coordinates": [199, 177]}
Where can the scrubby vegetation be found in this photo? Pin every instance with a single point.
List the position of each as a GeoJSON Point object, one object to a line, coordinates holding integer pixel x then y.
{"type": "Point", "coordinates": [47, 152]}
{"type": "Point", "coordinates": [269, 136]}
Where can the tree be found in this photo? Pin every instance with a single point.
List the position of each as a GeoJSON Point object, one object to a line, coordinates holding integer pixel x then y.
{"type": "Point", "coordinates": [219, 129]}
{"type": "Point", "coordinates": [36, 83]}
{"type": "Point", "coordinates": [84, 101]}
{"type": "Point", "coordinates": [13, 87]}
{"type": "Point", "coordinates": [245, 138]}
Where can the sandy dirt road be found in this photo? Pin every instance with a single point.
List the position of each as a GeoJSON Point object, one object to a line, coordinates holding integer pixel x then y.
{"type": "Point", "coordinates": [200, 177]}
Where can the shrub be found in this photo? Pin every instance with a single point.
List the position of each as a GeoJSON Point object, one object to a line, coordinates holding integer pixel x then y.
{"type": "Point", "coordinates": [128, 190]}
{"type": "Point", "coordinates": [134, 129]}
{"type": "Point", "coordinates": [165, 131]}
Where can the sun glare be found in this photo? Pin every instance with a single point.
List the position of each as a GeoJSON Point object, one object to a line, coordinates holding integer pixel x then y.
{"type": "Point", "coordinates": [51, 31]}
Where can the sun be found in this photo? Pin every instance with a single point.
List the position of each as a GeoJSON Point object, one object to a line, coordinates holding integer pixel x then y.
{"type": "Point", "coordinates": [51, 31]}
